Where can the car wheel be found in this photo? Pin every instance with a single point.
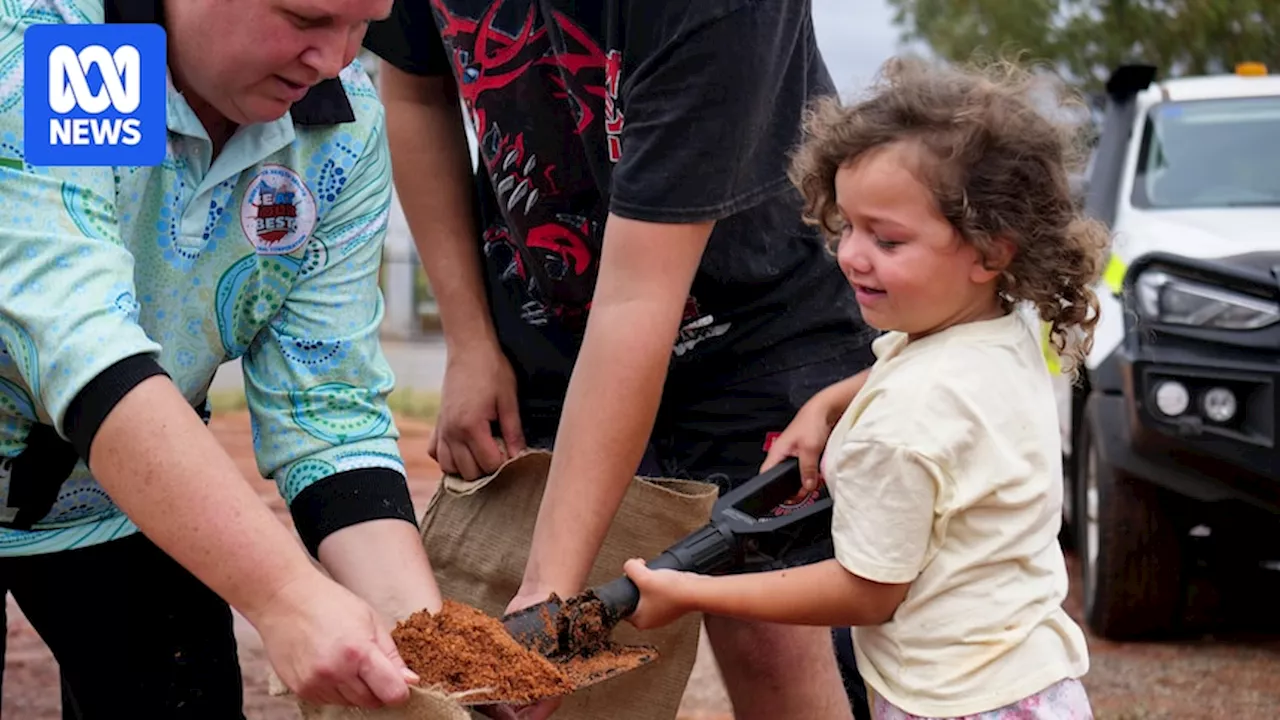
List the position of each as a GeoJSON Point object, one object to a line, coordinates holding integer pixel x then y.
{"type": "Point", "coordinates": [1069, 533]}
{"type": "Point", "coordinates": [1130, 548]}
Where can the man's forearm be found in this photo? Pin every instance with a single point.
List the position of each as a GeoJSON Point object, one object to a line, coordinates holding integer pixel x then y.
{"type": "Point", "coordinates": [608, 415]}
{"type": "Point", "coordinates": [614, 393]}
{"type": "Point", "coordinates": [162, 466]}
{"type": "Point", "coordinates": [432, 175]}
{"type": "Point", "coordinates": [383, 561]}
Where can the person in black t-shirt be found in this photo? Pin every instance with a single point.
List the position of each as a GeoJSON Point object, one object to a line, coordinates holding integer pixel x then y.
{"type": "Point", "coordinates": [629, 276]}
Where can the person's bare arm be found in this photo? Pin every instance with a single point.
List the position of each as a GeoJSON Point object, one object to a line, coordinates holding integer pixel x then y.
{"type": "Point", "coordinates": [646, 270]}
{"type": "Point", "coordinates": [431, 167]}
{"type": "Point", "coordinates": [823, 594]}
{"type": "Point", "coordinates": [806, 435]}
{"type": "Point", "coordinates": [834, 399]}
{"type": "Point", "coordinates": [193, 503]}
{"type": "Point", "coordinates": [163, 467]}
{"type": "Point", "coordinates": [396, 580]}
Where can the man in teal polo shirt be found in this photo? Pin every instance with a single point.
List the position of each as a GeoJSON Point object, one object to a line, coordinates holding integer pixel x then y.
{"type": "Point", "coordinates": [125, 529]}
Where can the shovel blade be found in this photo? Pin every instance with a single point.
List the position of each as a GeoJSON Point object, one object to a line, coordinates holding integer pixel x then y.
{"type": "Point", "coordinates": [574, 635]}
{"type": "Point", "coordinates": [536, 627]}
{"type": "Point", "coordinates": [584, 671]}
{"type": "Point", "coordinates": [587, 670]}
{"type": "Point", "coordinates": [559, 628]}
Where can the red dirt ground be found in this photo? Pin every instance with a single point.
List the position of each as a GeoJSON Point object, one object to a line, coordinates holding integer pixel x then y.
{"type": "Point", "coordinates": [1232, 677]}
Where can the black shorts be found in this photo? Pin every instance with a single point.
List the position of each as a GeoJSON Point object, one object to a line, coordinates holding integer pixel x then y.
{"type": "Point", "coordinates": [134, 633]}
{"type": "Point", "coordinates": [715, 421]}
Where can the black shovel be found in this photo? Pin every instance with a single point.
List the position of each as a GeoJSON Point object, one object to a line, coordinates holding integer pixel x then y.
{"type": "Point", "coordinates": [751, 528]}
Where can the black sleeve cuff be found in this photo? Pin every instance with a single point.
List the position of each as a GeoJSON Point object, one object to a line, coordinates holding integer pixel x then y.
{"type": "Point", "coordinates": [350, 498]}
{"type": "Point", "coordinates": [94, 401]}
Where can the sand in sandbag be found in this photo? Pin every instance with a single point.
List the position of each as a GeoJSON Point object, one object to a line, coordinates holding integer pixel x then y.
{"type": "Point", "coordinates": [462, 650]}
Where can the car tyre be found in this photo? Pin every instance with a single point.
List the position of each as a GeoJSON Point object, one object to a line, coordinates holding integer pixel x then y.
{"type": "Point", "coordinates": [1130, 545]}
{"type": "Point", "coordinates": [1069, 533]}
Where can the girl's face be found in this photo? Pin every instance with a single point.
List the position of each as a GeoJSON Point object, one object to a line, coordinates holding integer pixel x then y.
{"type": "Point", "coordinates": [910, 268]}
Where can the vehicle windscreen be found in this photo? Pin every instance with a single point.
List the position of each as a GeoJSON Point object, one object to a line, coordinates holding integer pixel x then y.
{"type": "Point", "coordinates": [1210, 153]}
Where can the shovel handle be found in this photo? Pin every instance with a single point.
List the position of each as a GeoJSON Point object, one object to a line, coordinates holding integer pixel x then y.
{"type": "Point", "coordinates": [705, 551]}
{"type": "Point", "coordinates": [621, 596]}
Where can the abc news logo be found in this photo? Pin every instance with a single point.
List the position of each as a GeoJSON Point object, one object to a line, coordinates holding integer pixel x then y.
{"type": "Point", "coordinates": [95, 94]}
{"type": "Point", "coordinates": [69, 89]}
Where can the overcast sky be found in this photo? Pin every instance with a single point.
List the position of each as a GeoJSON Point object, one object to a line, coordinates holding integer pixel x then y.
{"type": "Point", "coordinates": [855, 36]}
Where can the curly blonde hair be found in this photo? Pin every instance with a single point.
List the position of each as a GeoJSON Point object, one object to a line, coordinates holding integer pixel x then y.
{"type": "Point", "coordinates": [998, 168]}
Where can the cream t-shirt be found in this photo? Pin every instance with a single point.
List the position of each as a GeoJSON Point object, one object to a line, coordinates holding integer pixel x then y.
{"type": "Point", "coordinates": [946, 473]}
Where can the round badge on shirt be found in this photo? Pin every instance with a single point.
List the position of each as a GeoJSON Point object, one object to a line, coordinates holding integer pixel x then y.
{"type": "Point", "coordinates": [278, 211]}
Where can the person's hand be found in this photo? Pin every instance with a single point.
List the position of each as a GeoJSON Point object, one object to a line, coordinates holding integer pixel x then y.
{"type": "Point", "coordinates": [537, 711]}
{"type": "Point", "coordinates": [330, 648]}
{"type": "Point", "coordinates": [663, 594]}
{"type": "Point", "coordinates": [805, 439]}
{"type": "Point", "coordinates": [479, 388]}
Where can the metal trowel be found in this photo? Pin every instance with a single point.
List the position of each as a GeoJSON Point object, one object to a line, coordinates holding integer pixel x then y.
{"type": "Point", "coordinates": [751, 527]}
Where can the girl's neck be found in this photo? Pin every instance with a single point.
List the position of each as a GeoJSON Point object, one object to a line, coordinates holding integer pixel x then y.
{"type": "Point", "coordinates": [989, 309]}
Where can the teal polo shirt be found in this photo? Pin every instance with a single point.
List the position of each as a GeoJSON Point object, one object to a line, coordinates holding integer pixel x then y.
{"type": "Point", "coordinates": [268, 253]}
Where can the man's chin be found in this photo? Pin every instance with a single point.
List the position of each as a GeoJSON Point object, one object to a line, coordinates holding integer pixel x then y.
{"type": "Point", "coordinates": [259, 109]}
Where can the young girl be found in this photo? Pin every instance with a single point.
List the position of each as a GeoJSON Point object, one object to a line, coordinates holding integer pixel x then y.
{"type": "Point", "coordinates": [947, 194]}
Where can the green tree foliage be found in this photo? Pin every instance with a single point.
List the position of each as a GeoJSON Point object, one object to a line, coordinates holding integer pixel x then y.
{"type": "Point", "coordinates": [1085, 39]}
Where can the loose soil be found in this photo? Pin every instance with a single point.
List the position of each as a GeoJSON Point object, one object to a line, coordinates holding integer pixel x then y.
{"type": "Point", "coordinates": [575, 635]}
{"type": "Point", "coordinates": [556, 628]}
{"type": "Point", "coordinates": [462, 650]}
{"type": "Point", "coordinates": [1210, 677]}
{"type": "Point", "coordinates": [582, 623]}
{"type": "Point", "coordinates": [584, 627]}
{"type": "Point", "coordinates": [604, 661]}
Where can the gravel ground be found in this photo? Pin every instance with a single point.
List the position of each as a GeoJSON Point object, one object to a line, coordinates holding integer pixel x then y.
{"type": "Point", "coordinates": [1232, 675]}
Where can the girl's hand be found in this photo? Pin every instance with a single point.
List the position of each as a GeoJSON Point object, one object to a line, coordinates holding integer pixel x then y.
{"type": "Point", "coordinates": [805, 438]}
{"type": "Point", "coordinates": [664, 594]}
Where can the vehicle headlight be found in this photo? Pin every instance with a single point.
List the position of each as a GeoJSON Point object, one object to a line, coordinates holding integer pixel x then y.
{"type": "Point", "coordinates": [1170, 299]}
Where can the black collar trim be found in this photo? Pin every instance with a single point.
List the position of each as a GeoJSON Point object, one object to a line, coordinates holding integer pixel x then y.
{"type": "Point", "coordinates": [324, 104]}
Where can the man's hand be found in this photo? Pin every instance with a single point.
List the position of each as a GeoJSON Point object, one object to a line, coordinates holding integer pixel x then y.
{"type": "Point", "coordinates": [432, 171]}
{"type": "Point", "coordinates": [539, 710]}
{"type": "Point", "coordinates": [664, 596]}
{"type": "Point", "coordinates": [330, 648]}
{"type": "Point", "coordinates": [479, 387]}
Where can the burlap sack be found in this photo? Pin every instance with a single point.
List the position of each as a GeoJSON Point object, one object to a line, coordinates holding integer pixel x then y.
{"type": "Point", "coordinates": [424, 704]}
{"type": "Point", "coordinates": [477, 535]}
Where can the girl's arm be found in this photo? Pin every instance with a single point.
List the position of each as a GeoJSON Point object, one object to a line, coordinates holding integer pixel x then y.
{"type": "Point", "coordinates": [823, 594]}
{"type": "Point", "coordinates": [884, 496]}
{"type": "Point", "coordinates": [806, 435]}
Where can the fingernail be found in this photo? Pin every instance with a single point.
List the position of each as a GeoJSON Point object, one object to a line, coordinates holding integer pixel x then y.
{"type": "Point", "coordinates": [410, 676]}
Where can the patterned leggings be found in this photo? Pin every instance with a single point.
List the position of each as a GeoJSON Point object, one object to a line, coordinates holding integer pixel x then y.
{"type": "Point", "coordinates": [1065, 700]}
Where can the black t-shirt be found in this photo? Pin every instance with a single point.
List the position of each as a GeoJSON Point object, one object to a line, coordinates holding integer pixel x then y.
{"type": "Point", "coordinates": [656, 110]}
